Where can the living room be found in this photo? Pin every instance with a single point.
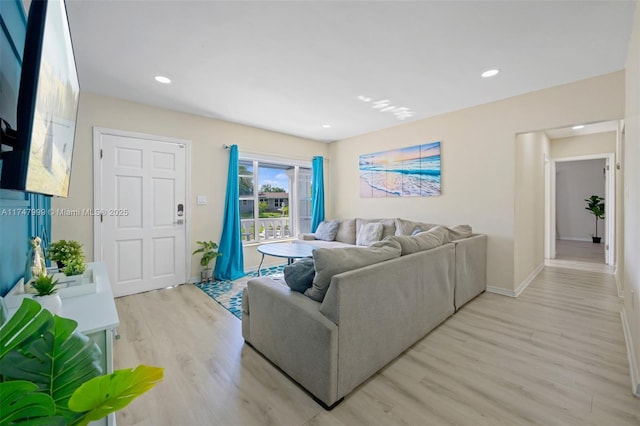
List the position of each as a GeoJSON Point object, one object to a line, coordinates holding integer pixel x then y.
{"type": "Point", "coordinates": [480, 187]}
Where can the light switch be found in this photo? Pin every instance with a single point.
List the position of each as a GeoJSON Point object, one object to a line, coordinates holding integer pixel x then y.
{"type": "Point", "coordinates": [201, 200]}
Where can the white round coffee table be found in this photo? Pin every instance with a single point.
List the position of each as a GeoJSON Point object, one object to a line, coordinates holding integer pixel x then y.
{"type": "Point", "coordinates": [290, 251]}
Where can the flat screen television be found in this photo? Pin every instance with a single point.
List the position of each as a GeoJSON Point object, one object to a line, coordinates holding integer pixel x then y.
{"type": "Point", "coordinates": [40, 156]}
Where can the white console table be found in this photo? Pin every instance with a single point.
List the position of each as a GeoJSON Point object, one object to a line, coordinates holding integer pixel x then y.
{"type": "Point", "coordinates": [97, 317]}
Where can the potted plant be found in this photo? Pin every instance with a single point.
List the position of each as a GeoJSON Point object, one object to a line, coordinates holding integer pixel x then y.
{"type": "Point", "coordinates": [47, 296]}
{"type": "Point", "coordinates": [63, 252]}
{"type": "Point", "coordinates": [209, 251]}
{"type": "Point", "coordinates": [50, 373]}
{"type": "Point", "coordinates": [595, 205]}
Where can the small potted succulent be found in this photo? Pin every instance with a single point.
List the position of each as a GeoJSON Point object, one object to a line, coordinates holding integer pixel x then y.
{"type": "Point", "coordinates": [47, 296]}
{"type": "Point", "coordinates": [209, 251]}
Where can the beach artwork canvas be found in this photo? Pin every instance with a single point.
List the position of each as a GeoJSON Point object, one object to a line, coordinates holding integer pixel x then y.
{"type": "Point", "coordinates": [405, 172]}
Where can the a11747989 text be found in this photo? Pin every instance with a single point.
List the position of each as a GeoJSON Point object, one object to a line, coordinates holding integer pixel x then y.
{"type": "Point", "coordinates": [63, 212]}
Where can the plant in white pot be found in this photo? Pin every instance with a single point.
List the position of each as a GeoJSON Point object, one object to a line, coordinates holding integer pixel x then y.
{"type": "Point", "coordinates": [209, 251]}
{"type": "Point", "coordinates": [47, 296]}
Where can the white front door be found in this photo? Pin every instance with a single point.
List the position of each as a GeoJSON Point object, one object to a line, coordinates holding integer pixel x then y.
{"type": "Point", "coordinates": [143, 206]}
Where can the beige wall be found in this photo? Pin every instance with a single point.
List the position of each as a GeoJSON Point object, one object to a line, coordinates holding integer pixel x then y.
{"type": "Point", "coordinates": [631, 167]}
{"type": "Point", "coordinates": [528, 230]}
{"type": "Point", "coordinates": [209, 162]}
{"type": "Point", "coordinates": [598, 143]}
{"type": "Point", "coordinates": [478, 161]}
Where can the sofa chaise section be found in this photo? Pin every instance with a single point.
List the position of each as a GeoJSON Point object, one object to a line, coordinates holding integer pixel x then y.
{"type": "Point", "coordinates": [368, 317]}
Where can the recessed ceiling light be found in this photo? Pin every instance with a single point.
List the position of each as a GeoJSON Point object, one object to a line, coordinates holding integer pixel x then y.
{"type": "Point", "coordinates": [326, 126]}
{"type": "Point", "coordinates": [578, 127]}
{"type": "Point", "coordinates": [490, 73]}
{"type": "Point", "coordinates": [162, 79]}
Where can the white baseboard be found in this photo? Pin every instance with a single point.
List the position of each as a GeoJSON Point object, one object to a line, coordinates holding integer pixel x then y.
{"type": "Point", "coordinates": [524, 284]}
{"type": "Point", "coordinates": [588, 240]}
{"type": "Point", "coordinates": [633, 366]}
{"type": "Point", "coordinates": [618, 284]}
{"type": "Point", "coordinates": [501, 291]}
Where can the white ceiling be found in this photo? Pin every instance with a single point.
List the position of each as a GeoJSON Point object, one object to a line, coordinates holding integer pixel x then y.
{"type": "Point", "coordinates": [588, 129]}
{"type": "Point", "coordinates": [294, 66]}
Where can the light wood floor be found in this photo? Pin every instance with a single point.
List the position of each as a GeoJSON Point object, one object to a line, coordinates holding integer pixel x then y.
{"type": "Point", "coordinates": [582, 251]}
{"type": "Point", "coordinates": [555, 355]}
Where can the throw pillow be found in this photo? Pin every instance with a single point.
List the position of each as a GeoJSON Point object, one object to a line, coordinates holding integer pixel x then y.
{"type": "Point", "coordinates": [329, 262]}
{"type": "Point", "coordinates": [389, 226]}
{"type": "Point", "coordinates": [299, 275]}
{"type": "Point", "coordinates": [406, 227]}
{"type": "Point", "coordinates": [434, 237]}
{"type": "Point", "coordinates": [459, 232]}
{"type": "Point", "coordinates": [417, 230]}
{"type": "Point", "coordinates": [327, 231]}
{"type": "Point", "coordinates": [347, 231]}
{"type": "Point", "coordinates": [369, 234]}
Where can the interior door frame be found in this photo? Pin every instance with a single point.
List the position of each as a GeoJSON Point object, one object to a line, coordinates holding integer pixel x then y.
{"type": "Point", "coordinates": [98, 132]}
{"type": "Point", "coordinates": [610, 195]}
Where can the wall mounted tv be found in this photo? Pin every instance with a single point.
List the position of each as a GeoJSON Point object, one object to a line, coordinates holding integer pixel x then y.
{"type": "Point", "coordinates": [36, 156]}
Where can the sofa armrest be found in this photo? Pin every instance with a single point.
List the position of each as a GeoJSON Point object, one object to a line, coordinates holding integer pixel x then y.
{"type": "Point", "coordinates": [288, 328]}
{"type": "Point", "coordinates": [471, 268]}
{"type": "Point", "coordinates": [307, 237]}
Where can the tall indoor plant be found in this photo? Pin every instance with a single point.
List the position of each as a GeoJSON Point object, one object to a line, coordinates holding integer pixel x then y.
{"type": "Point", "coordinates": [595, 205]}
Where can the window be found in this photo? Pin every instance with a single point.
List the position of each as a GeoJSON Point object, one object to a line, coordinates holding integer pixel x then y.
{"type": "Point", "coordinates": [275, 199]}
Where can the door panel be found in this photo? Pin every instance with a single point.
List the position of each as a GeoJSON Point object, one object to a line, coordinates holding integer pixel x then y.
{"type": "Point", "coordinates": [143, 241]}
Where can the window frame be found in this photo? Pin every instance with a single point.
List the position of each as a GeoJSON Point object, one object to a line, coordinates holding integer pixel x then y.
{"type": "Point", "coordinates": [293, 217]}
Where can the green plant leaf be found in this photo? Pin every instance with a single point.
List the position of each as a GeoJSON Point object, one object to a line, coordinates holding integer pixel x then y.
{"type": "Point", "coordinates": [106, 394]}
{"type": "Point", "coordinates": [21, 403]}
{"type": "Point", "coordinates": [28, 323]}
{"type": "Point", "coordinates": [58, 362]}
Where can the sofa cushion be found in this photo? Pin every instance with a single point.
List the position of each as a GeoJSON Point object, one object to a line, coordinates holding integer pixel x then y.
{"type": "Point", "coordinates": [459, 232]}
{"type": "Point", "coordinates": [347, 231]}
{"type": "Point", "coordinates": [435, 237]}
{"type": "Point", "coordinates": [407, 227]}
{"type": "Point", "coordinates": [329, 262]}
{"type": "Point", "coordinates": [327, 231]}
{"type": "Point", "coordinates": [299, 275]}
{"type": "Point", "coordinates": [389, 226]}
{"type": "Point", "coordinates": [369, 234]}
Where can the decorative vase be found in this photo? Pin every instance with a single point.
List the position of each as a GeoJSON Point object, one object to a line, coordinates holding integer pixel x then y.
{"type": "Point", "coordinates": [51, 302]}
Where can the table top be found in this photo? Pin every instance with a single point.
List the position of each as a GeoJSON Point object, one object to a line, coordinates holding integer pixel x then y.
{"type": "Point", "coordinates": [93, 312]}
{"type": "Point", "coordinates": [288, 250]}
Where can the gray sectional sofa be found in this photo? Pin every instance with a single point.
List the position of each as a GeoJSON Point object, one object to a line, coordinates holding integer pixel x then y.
{"type": "Point", "coordinates": [354, 321]}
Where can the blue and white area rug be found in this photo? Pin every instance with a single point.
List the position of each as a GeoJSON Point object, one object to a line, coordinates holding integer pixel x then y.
{"type": "Point", "coordinates": [229, 293]}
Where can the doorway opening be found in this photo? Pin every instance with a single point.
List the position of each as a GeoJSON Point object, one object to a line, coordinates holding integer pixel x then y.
{"type": "Point", "coordinates": [581, 165]}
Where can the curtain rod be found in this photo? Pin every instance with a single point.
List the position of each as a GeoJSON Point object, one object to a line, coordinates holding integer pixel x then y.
{"type": "Point", "coordinates": [270, 154]}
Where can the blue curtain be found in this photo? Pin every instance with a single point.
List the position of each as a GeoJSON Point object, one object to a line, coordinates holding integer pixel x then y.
{"type": "Point", "coordinates": [230, 266]}
{"type": "Point", "coordinates": [40, 224]}
{"type": "Point", "coordinates": [317, 193]}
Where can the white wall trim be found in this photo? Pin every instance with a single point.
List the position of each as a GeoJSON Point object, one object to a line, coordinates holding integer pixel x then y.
{"type": "Point", "coordinates": [98, 132]}
{"type": "Point", "coordinates": [633, 366]}
{"type": "Point", "coordinates": [586, 240]}
{"type": "Point", "coordinates": [523, 285]}
{"type": "Point", "coordinates": [616, 275]}
{"type": "Point", "coordinates": [501, 291]}
{"type": "Point", "coordinates": [532, 276]}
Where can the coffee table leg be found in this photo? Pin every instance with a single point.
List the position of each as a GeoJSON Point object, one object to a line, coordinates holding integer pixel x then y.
{"type": "Point", "coordinates": [289, 260]}
{"type": "Point", "coordinates": [260, 266]}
